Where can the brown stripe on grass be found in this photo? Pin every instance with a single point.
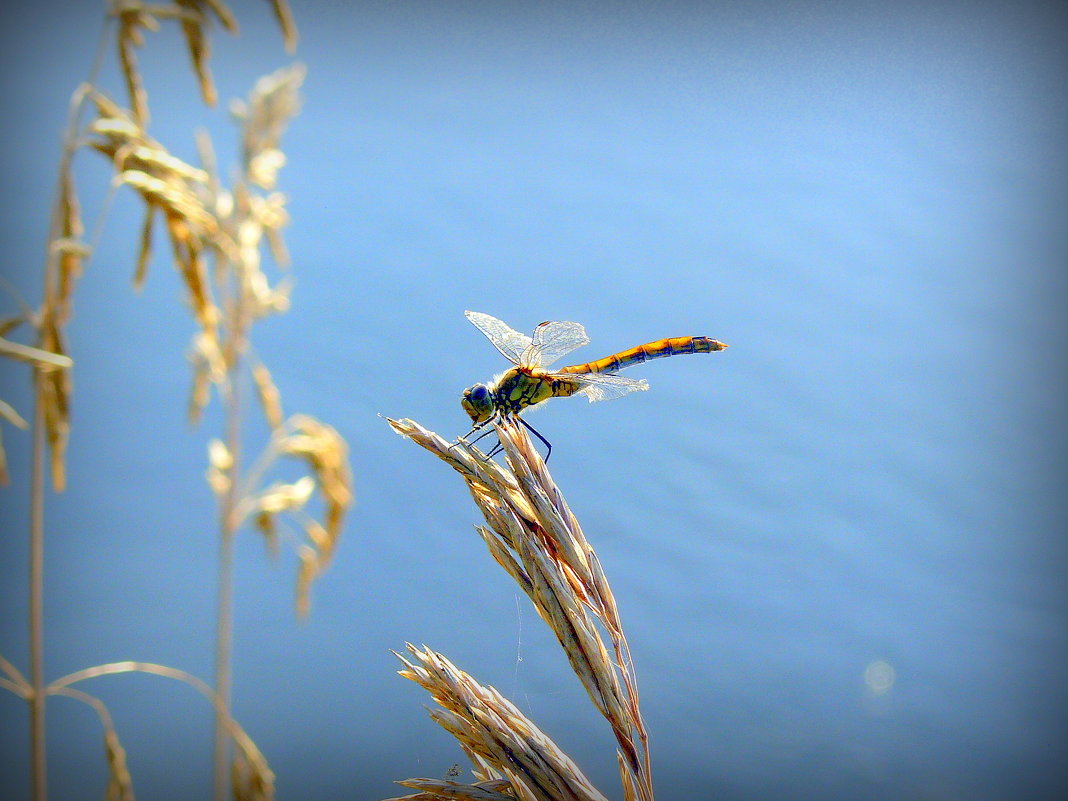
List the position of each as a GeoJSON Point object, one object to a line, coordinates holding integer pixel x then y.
{"type": "Point", "coordinates": [534, 536]}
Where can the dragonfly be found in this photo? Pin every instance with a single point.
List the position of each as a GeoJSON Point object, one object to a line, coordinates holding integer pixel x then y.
{"type": "Point", "coordinates": [530, 381]}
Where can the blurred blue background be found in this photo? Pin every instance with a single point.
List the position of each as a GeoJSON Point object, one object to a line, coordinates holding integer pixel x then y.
{"type": "Point", "coordinates": [838, 548]}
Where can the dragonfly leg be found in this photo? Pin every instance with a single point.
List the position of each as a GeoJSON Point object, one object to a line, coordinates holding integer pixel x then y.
{"type": "Point", "coordinates": [474, 428]}
{"type": "Point", "coordinates": [486, 431]}
{"type": "Point", "coordinates": [458, 441]}
{"type": "Point", "coordinates": [534, 431]}
{"type": "Point", "coordinates": [497, 448]}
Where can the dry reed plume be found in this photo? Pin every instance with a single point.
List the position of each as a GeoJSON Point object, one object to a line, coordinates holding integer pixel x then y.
{"type": "Point", "coordinates": [533, 535]}
{"type": "Point", "coordinates": [216, 235]}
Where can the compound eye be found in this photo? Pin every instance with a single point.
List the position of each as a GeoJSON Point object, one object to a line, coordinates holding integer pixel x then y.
{"type": "Point", "coordinates": [479, 392]}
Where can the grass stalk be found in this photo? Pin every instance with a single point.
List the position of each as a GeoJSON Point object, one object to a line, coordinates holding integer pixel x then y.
{"type": "Point", "coordinates": [228, 524]}
{"type": "Point", "coordinates": [533, 535]}
{"type": "Point", "coordinates": [254, 779]}
{"type": "Point", "coordinates": [223, 655]}
{"type": "Point", "coordinates": [203, 223]}
{"type": "Point", "coordinates": [38, 777]}
{"type": "Point", "coordinates": [38, 759]}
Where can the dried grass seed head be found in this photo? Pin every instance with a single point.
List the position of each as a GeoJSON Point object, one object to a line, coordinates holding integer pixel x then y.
{"type": "Point", "coordinates": [120, 785]}
{"type": "Point", "coordinates": [533, 534]}
{"type": "Point", "coordinates": [264, 116]}
{"type": "Point", "coordinates": [494, 731]}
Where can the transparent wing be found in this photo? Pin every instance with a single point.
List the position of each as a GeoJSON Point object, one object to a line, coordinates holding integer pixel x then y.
{"type": "Point", "coordinates": [604, 386]}
{"type": "Point", "coordinates": [506, 339]}
{"type": "Point", "coordinates": [551, 341]}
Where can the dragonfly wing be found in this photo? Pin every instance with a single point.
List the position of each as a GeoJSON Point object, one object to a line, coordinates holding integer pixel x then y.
{"type": "Point", "coordinates": [605, 386]}
{"type": "Point", "coordinates": [506, 339]}
{"type": "Point", "coordinates": [553, 340]}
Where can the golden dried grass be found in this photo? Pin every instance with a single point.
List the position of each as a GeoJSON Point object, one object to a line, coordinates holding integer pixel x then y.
{"type": "Point", "coordinates": [285, 23]}
{"type": "Point", "coordinates": [215, 236]}
{"type": "Point", "coordinates": [56, 389]}
{"type": "Point", "coordinates": [195, 18]}
{"type": "Point", "coordinates": [176, 192]}
{"type": "Point", "coordinates": [264, 116]}
{"type": "Point", "coordinates": [445, 790]}
{"type": "Point", "coordinates": [271, 507]}
{"type": "Point", "coordinates": [120, 784]}
{"type": "Point", "coordinates": [251, 777]}
{"type": "Point", "coordinates": [174, 189]}
{"type": "Point", "coordinates": [532, 533]}
{"type": "Point", "coordinates": [500, 740]}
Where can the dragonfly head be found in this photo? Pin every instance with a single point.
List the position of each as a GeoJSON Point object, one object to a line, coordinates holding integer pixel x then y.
{"type": "Point", "coordinates": [478, 403]}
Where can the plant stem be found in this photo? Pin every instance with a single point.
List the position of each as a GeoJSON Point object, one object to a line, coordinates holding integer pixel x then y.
{"type": "Point", "coordinates": [228, 523]}
{"type": "Point", "coordinates": [223, 650]}
{"type": "Point", "coordinates": [38, 772]}
{"type": "Point", "coordinates": [225, 610]}
{"type": "Point", "coordinates": [37, 698]}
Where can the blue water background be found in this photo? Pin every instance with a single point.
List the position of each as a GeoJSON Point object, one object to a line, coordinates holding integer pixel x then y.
{"type": "Point", "coordinates": [866, 200]}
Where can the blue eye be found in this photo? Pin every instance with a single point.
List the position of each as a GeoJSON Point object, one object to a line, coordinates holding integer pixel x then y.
{"type": "Point", "coordinates": [479, 392]}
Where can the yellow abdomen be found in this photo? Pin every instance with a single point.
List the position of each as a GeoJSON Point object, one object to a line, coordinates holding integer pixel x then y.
{"type": "Point", "coordinates": [673, 346]}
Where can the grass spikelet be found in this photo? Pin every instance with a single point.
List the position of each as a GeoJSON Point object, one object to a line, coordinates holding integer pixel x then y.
{"type": "Point", "coordinates": [136, 17]}
{"type": "Point", "coordinates": [445, 790]}
{"type": "Point", "coordinates": [220, 463]}
{"type": "Point", "coordinates": [268, 395]}
{"type": "Point", "coordinates": [176, 200]}
{"type": "Point", "coordinates": [251, 778]}
{"type": "Point", "coordinates": [144, 253]}
{"type": "Point", "coordinates": [194, 22]}
{"type": "Point", "coordinates": [159, 162]}
{"type": "Point", "coordinates": [48, 355]}
{"type": "Point", "coordinates": [7, 412]}
{"type": "Point", "coordinates": [173, 187]}
{"type": "Point", "coordinates": [280, 497]}
{"type": "Point", "coordinates": [55, 389]}
{"type": "Point", "coordinates": [43, 359]}
{"type": "Point", "coordinates": [266, 525]}
{"type": "Point", "coordinates": [188, 258]}
{"type": "Point", "coordinates": [120, 785]}
{"type": "Point", "coordinates": [310, 567]}
{"type": "Point", "coordinates": [264, 116]}
{"type": "Point", "coordinates": [501, 740]}
{"type": "Point", "coordinates": [223, 14]}
{"type": "Point", "coordinates": [271, 214]}
{"type": "Point", "coordinates": [70, 251]}
{"type": "Point", "coordinates": [133, 17]}
{"type": "Point", "coordinates": [532, 533]}
{"type": "Point", "coordinates": [286, 23]}
{"type": "Point", "coordinates": [209, 368]}
{"type": "Point", "coordinates": [325, 454]}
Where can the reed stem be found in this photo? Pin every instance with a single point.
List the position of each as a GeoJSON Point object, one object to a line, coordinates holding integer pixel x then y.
{"type": "Point", "coordinates": [223, 651]}
{"type": "Point", "coordinates": [225, 610]}
{"type": "Point", "coordinates": [38, 778]}
{"type": "Point", "coordinates": [237, 326]}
